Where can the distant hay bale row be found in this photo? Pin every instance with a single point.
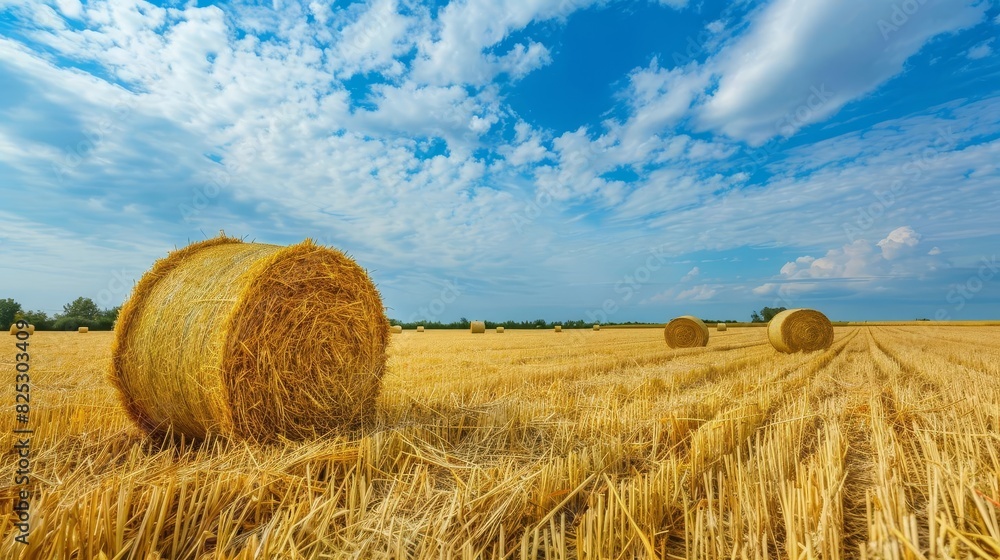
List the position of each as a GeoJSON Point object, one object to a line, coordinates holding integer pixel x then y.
{"type": "Point", "coordinates": [686, 331]}
{"type": "Point", "coordinates": [477, 327]}
{"type": "Point", "coordinates": [396, 329]}
{"type": "Point", "coordinates": [251, 341]}
{"type": "Point", "coordinates": [420, 328]}
{"type": "Point", "coordinates": [14, 330]}
{"type": "Point", "coordinates": [83, 330]}
{"type": "Point", "coordinates": [558, 328]}
{"type": "Point", "coordinates": [499, 330]}
{"type": "Point", "coordinates": [796, 330]}
{"type": "Point", "coordinates": [721, 327]}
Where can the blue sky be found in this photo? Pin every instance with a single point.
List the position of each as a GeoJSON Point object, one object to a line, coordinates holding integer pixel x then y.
{"type": "Point", "coordinates": [558, 159]}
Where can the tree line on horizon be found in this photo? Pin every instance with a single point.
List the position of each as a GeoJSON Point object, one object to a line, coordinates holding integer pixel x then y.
{"type": "Point", "coordinates": [81, 312]}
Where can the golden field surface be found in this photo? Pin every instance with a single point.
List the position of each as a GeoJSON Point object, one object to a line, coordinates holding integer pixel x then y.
{"type": "Point", "coordinates": [533, 444]}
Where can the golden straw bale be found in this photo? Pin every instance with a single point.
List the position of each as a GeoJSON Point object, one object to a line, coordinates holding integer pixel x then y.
{"type": "Point", "coordinates": [500, 330]}
{"type": "Point", "coordinates": [15, 330]}
{"type": "Point", "coordinates": [251, 341]}
{"type": "Point", "coordinates": [558, 328]}
{"type": "Point", "coordinates": [686, 331]}
{"type": "Point", "coordinates": [396, 329]}
{"type": "Point", "coordinates": [721, 327]}
{"type": "Point", "coordinates": [597, 327]}
{"type": "Point", "coordinates": [477, 327]}
{"type": "Point", "coordinates": [795, 330]}
{"type": "Point", "coordinates": [83, 330]}
{"type": "Point", "coordinates": [420, 328]}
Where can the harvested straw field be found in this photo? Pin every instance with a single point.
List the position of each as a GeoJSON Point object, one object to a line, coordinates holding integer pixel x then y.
{"type": "Point", "coordinates": [588, 445]}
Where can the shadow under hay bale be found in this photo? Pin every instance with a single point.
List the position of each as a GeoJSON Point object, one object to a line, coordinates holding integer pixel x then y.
{"type": "Point", "coordinates": [686, 331]}
{"type": "Point", "coordinates": [795, 330]}
{"type": "Point", "coordinates": [251, 341]}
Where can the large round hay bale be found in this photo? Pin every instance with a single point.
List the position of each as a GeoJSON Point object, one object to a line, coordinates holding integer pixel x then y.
{"type": "Point", "coordinates": [420, 328]}
{"type": "Point", "coordinates": [13, 329]}
{"type": "Point", "coordinates": [721, 327]}
{"type": "Point", "coordinates": [597, 327]}
{"type": "Point", "coordinates": [397, 329]}
{"type": "Point", "coordinates": [251, 341]}
{"type": "Point", "coordinates": [83, 330]}
{"type": "Point", "coordinates": [686, 331]}
{"type": "Point", "coordinates": [499, 330]}
{"type": "Point", "coordinates": [477, 327]}
{"type": "Point", "coordinates": [795, 330]}
{"type": "Point", "coordinates": [558, 328]}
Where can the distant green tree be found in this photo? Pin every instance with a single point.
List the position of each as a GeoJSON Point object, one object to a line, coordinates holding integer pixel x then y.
{"type": "Point", "coordinates": [81, 307]}
{"type": "Point", "coordinates": [765, 315]}
{"type": "Point", "coordinates": [40, 319]}
{"type": "Point", "coordinates": [8, 312]}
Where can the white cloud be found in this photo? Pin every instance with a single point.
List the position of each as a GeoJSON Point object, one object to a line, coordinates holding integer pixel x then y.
{"type": "Point", "coordinates": [899, 242]}
{"type": "Point", "coordinates": [982, 50]}
{"type": "Point", "coordinates": [800, 62]}
{"type": "Point", "coordinates": [454, 50]}
{"type": "Point", "coordinates": [374, 40]}
{"type": "Point", "coordinates": [676, 4]}
{"type": "Point", "coordinates": [697, 293]}
{"type": "Point", "coordinates": [934, 251]}
{"type": "Point", "coordinates": [691, 274]}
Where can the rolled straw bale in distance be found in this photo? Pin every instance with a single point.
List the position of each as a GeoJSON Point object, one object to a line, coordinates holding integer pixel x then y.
{"type": "Point", "coordinates": [420, 328]}
{"type": "Point", "coordinates": [686, 331]}
{"type": "Point", "coordinates": [500, 330]}
{"type": "Point", "coordinates": [477, 327]}
{"type": "Point", "coordinates": [558, 328]}
{"type": "Point", "coordinates": [396, 329]}
{"type": "Point", "coordinates": [597, 327]}
{"type": "Point", "coordinates": [83, 330]}
{"type": "Point", "coordinates": [15, 330]}
{"type": "Point", "coordinates": [721, 327]}
{"type": "Point", "coordinates": [795, 330]}
{"type": "Point", "coordinates": [251, 341]}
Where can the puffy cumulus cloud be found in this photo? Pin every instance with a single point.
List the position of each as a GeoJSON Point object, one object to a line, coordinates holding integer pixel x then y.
{"type": "Point", "coordinates": [453, 50]}
{"type": "Point", "coordinates": [697, 293]}
{"type": "Point", "coordinates": [899, 242]}
{"type": "Point", "coordinates": [373, 41]}
{"type": "Point", "coordinates": [526, 148]}
{"type": "Point", "coordinates": [800, 62]}
{"type": "Point", "coordinates": [856, 260]}
{"type": "Point", "coordinates": [865, 264]}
